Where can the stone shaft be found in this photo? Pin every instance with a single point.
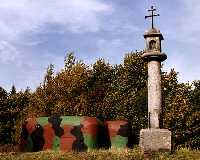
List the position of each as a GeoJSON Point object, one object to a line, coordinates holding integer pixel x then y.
{"type": "Point", "coordinates": [154, 93]}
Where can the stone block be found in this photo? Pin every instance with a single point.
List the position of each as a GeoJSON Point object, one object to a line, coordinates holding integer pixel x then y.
{"type": "Point", "coordinates": [155, 140]}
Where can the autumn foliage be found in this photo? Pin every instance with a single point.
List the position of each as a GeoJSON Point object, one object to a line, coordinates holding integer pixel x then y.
{"type": "Point", "coordinates": [109, 92]}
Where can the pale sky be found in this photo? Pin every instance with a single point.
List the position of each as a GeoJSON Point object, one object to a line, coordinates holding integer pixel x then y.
{"type": "Point", "coordinates": [35, 33]}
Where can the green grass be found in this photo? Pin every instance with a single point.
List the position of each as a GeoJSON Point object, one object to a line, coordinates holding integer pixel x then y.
{"type": "Point", "coordinates": [112, 154]}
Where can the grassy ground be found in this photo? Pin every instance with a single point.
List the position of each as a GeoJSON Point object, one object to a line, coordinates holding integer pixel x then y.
{"type": "Point", "coordinates": [112, 154]}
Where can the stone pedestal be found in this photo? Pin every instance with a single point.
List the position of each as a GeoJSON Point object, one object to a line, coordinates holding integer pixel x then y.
{"type": "Point", "coordinates": [155, 140]}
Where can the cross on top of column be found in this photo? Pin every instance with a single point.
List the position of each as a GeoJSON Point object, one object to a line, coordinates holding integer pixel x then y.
{"type": "Point", "coordinates": [152, 15]}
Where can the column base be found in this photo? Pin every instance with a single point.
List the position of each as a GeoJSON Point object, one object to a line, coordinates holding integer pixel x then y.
{"type": "Point", "coordinates": [155, 140]}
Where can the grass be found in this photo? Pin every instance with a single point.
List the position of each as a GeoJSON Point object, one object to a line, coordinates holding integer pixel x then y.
{"type": "Point", "coordinates": [112, 154]}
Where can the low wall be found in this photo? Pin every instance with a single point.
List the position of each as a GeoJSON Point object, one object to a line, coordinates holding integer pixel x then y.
{"type": "Point", "coordinates": [67, 133]}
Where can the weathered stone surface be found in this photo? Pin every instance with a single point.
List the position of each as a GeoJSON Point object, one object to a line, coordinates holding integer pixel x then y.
{"type": "Point", "coordinates": [154, 93]}
{"type": "Point", "coordinates": [154, 55]}
{"type": "Point", "coordinates": [153, 140]}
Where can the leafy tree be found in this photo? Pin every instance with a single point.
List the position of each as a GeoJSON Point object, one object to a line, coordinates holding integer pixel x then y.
{"type": "Point", "coordinates": [69, 60]}
{"type": "Point", "coordinates": [4, 137]}
{"type": "Point", "coordinates": [98, 85]}
{"type": "Point", "coordinates": [127, 98]}
{"type": "Point", "coordinates": [11, 113]}
{"type": "Point", "coordinates": [195, 96]}
{"type": "Point", "coordinates": [178, 113]}
{"type": "Point", "coordinates": [64, 93]}
{"type": "Point", "coordinates": [13, 90]}
{"type": "Point", "coordinates": [16, 104]}
{"type": "Point", "coordinates": [193, 139]}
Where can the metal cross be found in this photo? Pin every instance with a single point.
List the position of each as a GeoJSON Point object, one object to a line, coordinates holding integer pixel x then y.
{"type": "Point", "coordinates": [152, 10]}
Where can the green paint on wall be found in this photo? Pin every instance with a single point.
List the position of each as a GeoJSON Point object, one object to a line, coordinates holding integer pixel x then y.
{"type": "Point", "coordinates": [29, 145]}
{"type": "Point", "coordinates": [71, 120]}
{"type": "Point", "coordinates": [90, 141]}
{"type": "Point", "coordinates": [119, 141]}
{"type": "Point", "coordinates": [56, 143]}
{"type": "Point", "coordinates": [43, 121]}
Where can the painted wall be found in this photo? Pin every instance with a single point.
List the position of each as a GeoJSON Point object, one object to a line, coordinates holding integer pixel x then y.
{"type": "Point", "coordinates": [67, 133]}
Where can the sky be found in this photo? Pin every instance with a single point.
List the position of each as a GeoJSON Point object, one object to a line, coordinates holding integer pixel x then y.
{"type": "Point", "coordinates": [34, 34]}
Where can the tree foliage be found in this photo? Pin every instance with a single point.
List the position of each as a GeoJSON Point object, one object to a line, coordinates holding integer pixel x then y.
{"type": "Point", "coordinates": [180, 114]}
{"type": "Point", "coordinates": [12, 106]}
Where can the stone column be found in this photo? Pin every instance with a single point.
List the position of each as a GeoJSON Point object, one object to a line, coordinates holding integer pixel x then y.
{"type": "Point", "coordinates": [154, 59]}
{"type": "Point", "coordinates": [154, 93]}
{"type": "Point", "coordinates": [153, 138]}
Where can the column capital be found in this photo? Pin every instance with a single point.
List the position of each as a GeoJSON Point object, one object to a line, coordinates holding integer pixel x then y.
{"type": "Point", "coordinates": [154, 55]}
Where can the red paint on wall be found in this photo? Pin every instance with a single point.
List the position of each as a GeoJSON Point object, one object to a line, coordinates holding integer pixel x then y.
{"type": "Point", "coordinates": [114, 126]}
{"type": "Point", "coordinates": [67, 139]}
{"type": "Point", "coordinates": [90, 126]}
{"type": "Point", "coordinates": [48, 135]}
{"type": "Point", "coordinates": [31, 125]}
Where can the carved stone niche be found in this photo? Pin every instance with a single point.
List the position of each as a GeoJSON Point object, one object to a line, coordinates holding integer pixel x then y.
{"type": "Point", "coordinates": [153, 39]}
{"type": "Point", "coordinates": [152, 45]}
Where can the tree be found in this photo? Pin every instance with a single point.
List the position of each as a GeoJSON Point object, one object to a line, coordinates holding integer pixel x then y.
{"type": "Point", "coordinates": [128, 97]}
{"type": "Point", "coordinates": [178, 114]}
{"type": "Point", "coordinates": [13, 90]}
{"type": "Point", "coordinates": [98, 85]}
{"type": "Point", "coordinates": [64, 93]}
{"type": "Point", "coordinates": [193, 139]}
{"type": "Point", "coordinates": [195, 96]}
{"type": "Point", "coordinates": [4, 138]}
{"type": "Point", "coordinates": [69, 60]}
